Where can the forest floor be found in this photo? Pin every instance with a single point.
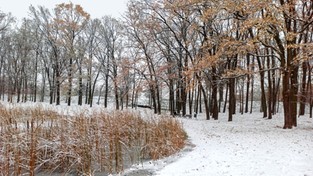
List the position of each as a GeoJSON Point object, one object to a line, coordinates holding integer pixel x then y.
{"type": "Point", "coordinates": [250, 145]}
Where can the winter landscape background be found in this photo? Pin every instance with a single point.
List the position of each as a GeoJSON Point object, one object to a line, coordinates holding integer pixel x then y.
{"type": "Point", "coordinates": [203, 87]}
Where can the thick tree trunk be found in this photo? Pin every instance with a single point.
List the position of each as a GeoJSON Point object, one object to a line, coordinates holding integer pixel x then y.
{"type": "Point", "coordinates": [290, 90]}
{"type": "Point", "coordinates": [294, 94]}
{"type": "Point", "coordinates": [286, 100]}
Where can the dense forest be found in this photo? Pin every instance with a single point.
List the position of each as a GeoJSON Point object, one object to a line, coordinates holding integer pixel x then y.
{"type": "Point", "coordinates": [185, 55]}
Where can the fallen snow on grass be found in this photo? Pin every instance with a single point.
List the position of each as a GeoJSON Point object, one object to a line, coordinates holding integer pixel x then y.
{"type": "Point", "coordinates": [250, 145]}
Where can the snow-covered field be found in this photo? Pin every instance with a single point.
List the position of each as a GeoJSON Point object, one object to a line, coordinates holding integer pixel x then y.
{"type": "Point", "coordinates": [248, 146]}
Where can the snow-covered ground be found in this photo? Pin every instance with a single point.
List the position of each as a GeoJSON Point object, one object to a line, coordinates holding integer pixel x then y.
{"type": "Point", "coordinates": [250, 145]}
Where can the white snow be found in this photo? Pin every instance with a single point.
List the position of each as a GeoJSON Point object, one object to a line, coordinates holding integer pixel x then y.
{"type": "Point", "coordinates": [250, 145]}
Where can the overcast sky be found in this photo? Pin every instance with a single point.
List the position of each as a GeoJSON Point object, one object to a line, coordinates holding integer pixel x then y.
{"type": "Point", "coordinates": [96, 8]}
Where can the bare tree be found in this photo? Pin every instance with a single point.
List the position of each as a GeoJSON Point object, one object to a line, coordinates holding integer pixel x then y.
{"type": "Point", "coordinates": [52, 55]}
{"type": "Point", "coordinates": [71, 19]}
{"type": "Point", "coordinates": [111, 39]}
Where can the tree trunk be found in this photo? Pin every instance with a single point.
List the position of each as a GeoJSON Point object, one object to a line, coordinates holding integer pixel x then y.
{"type": "Point", "coordinates": [241, 89]}
{"type": "Point", "coordinates": [80, 87]}
{"type": "Point", "coordinates": [106, 90]}
{"type": "Point", "coordinates": [89, 87]}
{"type": "Point", "coordinates": [226, 98]}
{"type": "Point", "coordinates": [19, 88]}
{"type": "Point", "coordinates": [117, 105]}
{"type": "Point", "coordinates": [190, 97]}
{"type": "Point", "coordinates": [70, 82]}
{"type": "Point", "coordinates": [275, 86]}
{"type": "Point", "coordinates": [214, 95]}
{"type": "Point", "coordinates": [184, 97]}
{"type": "Point", "coordinates": [171, 97]}
{"type": "Point", "coordinates": [36, 75]}
{"type": "Point", "coordinates": [290, 90]}
{"type": "Point", "coordinates": [198, 92]}
{"type": "Point", "coordinates": [25, 92]}
{"type": "Point", "coordinates": [58, 87]}
{"type": "Point", "coordinates": [178, 98]}
{"type": "Point", "coordinates": [252, 87]}
{"type": "Point", "coordinates": [303, 93]}
{"type": "Point", "coordinates": [42, 92]}
{"type": "Point", "coordinates": [270, 89]}
{"type": "Point", "coordinates": [221, 97]}
{"type": "Point", "coordinates": [263, 95]}
{"type": "Point", "coordinates": [247, 86]}
{"type": "Point", "coordinates": [232, 98]}
{"type": "Point", "coordinates": [310, 92]}
{"type": "Point", "coordinates": [87, 92]}
{"type": "Point", "coordinates": [93, 88]}
{"type": "Point", "coordinates": [206, 102]}
{"type": "Point", "coordinates": [158, 98]}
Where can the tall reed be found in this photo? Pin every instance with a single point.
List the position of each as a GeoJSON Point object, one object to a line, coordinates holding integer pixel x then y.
{"type": "Point", "coordinates": [40, 140]}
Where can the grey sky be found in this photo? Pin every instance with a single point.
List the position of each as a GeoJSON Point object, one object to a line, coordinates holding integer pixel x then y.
{"type": "Point", "coordinates": [96, 8]}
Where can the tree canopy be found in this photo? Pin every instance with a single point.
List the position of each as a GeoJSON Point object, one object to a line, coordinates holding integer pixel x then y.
{"type": "Point", "coordinates": [182, 56]}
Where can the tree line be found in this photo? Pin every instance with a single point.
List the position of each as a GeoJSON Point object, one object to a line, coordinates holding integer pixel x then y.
{"type": "Point", "coordinates": [189, 54]}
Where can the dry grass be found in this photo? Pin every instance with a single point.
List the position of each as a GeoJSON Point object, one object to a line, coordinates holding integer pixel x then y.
{"type": "Point", "coordinates": [38, 140]}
